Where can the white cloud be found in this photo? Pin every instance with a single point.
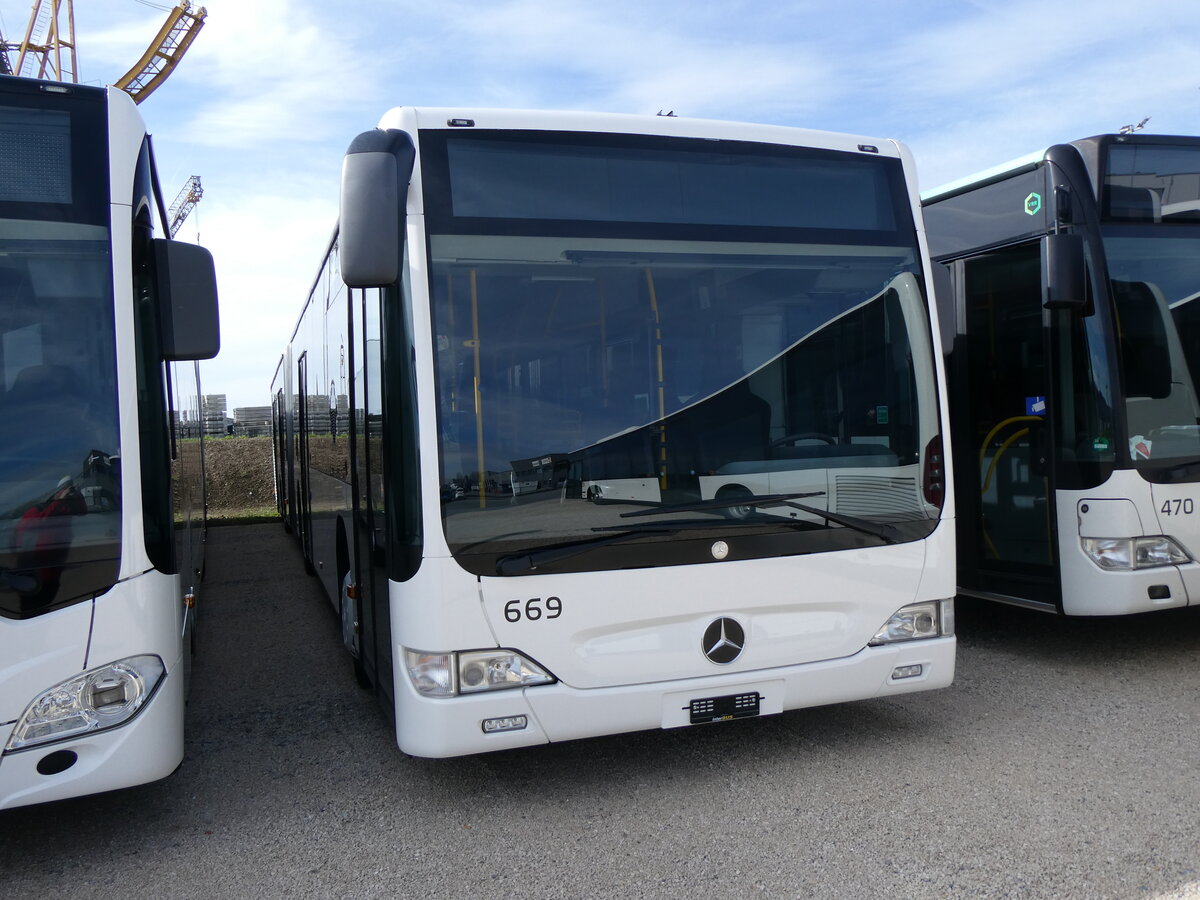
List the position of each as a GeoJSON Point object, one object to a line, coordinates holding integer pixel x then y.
{"type": "Point", "coordinates": [271, 72]}
{"type": "Point", "coordinates": [618, 57]}
{"type": "Point", "coordinates": [266, 249]}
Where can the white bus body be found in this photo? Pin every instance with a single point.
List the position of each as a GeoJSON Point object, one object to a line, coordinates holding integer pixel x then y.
{"type": "Point", "coordinates": [1076, 348]}
{"type": "Point", "coordinates": [99, 567]}
{"type": "Point", "coordinates": [632, 294]}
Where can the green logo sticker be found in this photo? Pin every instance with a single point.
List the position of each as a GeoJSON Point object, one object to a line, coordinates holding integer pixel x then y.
{"type": "Point", "coordinates": [1033, 204]}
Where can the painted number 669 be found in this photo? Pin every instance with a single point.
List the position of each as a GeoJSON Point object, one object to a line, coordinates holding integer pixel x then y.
{"type": "Point", "coordinates": [534, 609]}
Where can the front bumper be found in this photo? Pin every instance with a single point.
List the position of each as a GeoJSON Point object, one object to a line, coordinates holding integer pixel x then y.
{"type": "Point", "coordinates": [454, 726]}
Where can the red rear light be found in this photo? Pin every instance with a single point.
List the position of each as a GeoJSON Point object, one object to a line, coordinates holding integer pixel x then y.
{"type": "Point", "coordinates": [933, 482]}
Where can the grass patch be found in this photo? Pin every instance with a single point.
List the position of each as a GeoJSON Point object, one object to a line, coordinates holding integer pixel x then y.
{"type": "Point", "coordinates": [248, 516]}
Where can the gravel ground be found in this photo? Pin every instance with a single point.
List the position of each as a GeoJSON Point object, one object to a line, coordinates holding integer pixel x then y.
{"type": "Point", "coordinates": [1064, 762]}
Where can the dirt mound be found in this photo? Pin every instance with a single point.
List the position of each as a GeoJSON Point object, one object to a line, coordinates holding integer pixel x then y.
{"type": "Point", "coordinates": [240, 476]}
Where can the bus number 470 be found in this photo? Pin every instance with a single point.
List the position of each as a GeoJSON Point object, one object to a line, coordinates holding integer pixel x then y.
{"type": "Point", "coordinates": [534, 609]}
{"type": "Point", "coordinates": [1178, 507]}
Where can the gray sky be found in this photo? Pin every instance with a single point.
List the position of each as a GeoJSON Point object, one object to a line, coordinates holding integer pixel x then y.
{"type": "Point", "coordinates": [271, 93]}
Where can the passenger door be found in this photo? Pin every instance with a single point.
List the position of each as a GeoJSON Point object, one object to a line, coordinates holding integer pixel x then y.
{"type": "Point", "coordinates": [1001, 389]}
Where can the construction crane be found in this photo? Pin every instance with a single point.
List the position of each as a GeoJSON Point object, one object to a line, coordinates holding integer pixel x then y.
{"type": "Point", "coordinates": [5, 63]}
{"type": "Point", "coordinates": [44, 47]}
{"type": "Point", "coordinates": [185, 203]}
{"type": "Point", "coordinates": [164, 53]}
{"type": "Point", "coordinates": [48, 50]}
{"type": "Point", "coordinates": [41, 56]}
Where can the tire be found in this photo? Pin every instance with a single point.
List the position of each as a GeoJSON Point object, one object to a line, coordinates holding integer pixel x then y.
{"type": "Point", "coordinates": [734, 492]}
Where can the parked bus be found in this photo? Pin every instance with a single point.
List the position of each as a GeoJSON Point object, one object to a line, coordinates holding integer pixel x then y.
{"type": "Point", "coordinates": [1069, 307]}
{"type": "Point", "coordinates": [99, 566]}
{"type": "Point", "coordinates": [509, 286]}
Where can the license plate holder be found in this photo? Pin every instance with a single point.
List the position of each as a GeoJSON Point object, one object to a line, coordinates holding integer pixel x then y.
{"type": "Point", "coordinates": [725, 708]}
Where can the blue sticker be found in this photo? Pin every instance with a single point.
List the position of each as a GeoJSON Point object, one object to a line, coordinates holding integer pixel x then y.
{"type": "Point", "coordinates": [1035, 406]}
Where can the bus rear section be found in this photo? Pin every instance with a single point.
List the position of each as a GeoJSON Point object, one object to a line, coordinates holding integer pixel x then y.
{"type": "Point", "coordinates": [98, 566]}
{"type": "Point", "coordinates": [693, 426]}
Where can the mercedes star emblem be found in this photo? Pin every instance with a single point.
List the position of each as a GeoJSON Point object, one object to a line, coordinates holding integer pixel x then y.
{"type": "Point", "coordinates": [723, 640]}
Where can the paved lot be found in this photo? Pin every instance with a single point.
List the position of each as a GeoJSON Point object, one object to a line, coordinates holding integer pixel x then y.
{"type": "Point", "coordinates": [1064, 762]}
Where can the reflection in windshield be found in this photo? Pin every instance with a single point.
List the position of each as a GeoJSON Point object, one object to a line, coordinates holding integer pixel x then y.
{"type": "Point", "coordinates": [1156, 282]}
{"type": "Point", "coordinates": [578, 377]}
{"type": "Point", "coordinates": [59, 456]}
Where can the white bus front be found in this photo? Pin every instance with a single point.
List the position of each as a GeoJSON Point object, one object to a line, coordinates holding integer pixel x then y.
{"type": "Point", "coordinates": [1140, 532]}
{"type": "Point", "coordinates": [92, 620]}
{"type": "Point", "coordinates": [661, 301]}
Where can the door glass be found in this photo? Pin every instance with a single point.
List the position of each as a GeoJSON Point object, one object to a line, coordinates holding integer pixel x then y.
{"type": "Point", "coordinates": [1004, 462]}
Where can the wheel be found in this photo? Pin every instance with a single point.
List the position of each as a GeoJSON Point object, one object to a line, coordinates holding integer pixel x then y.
{"type": "Point", "coordinates": [735, 492]}
{"type": "Point", "coordinates": [349, 614]}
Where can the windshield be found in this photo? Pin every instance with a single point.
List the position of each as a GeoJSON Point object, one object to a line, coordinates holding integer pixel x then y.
{"type": "Point", "coordinates": [588, 369]}
{"type": "Point", "coordinates": [59, 456]}
{"type": "Point", "coordinates": [1155, 278]}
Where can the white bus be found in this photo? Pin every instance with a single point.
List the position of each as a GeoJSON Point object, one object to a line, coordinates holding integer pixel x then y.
{"type": "Point", "coordinates": [98, 564]}
{"type": "Point", "coordinates": [514, 286]}
{"type": "Point", "coordinates": [1076, 349]}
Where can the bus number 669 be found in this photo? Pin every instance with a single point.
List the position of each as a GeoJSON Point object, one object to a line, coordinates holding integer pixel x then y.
{"type": "Point", "coordinates": [534, 609]}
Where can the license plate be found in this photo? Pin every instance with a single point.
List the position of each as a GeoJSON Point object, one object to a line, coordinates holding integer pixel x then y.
{"type": "Point", "coordinates": [723, 709]}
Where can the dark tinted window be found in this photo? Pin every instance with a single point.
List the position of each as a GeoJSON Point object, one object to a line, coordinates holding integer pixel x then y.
{"type": "Point", "coordinates": [560, 177]}
{"type": "Point", "coordinates": [60, 492]}
{"type": "Point", "coordinates": [1152, 183]}
{"type": "Point", "coordinates": [35, 155]}
{"type": "Point", "coordinates": [53, 154]}
{"type": "Point", "coordinates": [997, 213]}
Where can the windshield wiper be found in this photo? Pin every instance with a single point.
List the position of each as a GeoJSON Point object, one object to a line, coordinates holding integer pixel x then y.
{"type": "Point", "coordinates": [529, 560]}
{"type": "Point", "coordinates": [761, 500]}
{"type": "Point", "coordinates": [887, 533]}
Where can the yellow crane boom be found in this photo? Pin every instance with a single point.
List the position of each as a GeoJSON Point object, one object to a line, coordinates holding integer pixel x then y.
{"type": "Point", "coordinates": [164, 52]}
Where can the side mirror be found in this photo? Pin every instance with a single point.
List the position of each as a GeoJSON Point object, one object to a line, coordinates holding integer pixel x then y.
{"type": "Point", "coordinates": [375, 175]}
{"type": "Point", "coordinates": [187, 289]}
{"type": "Point", "coordinates": [1064, 273]}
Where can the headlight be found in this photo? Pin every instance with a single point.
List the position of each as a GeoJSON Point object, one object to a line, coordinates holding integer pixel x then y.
{"type": "Point", "coordinates": [933, 618]}
{"type": "Point", "coordinates": [432, 674]}
{"type": "Point", "coordinates": [468, 672]}
{"type": "Point", "coordinates": [486, 670]}
{"type": "Point", "coordinates": [1134, 553]}
{"type": "Point", "coordinates": [98, 699]}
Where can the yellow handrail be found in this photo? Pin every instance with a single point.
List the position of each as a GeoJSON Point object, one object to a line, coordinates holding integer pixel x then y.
{"type": "Point", "coordinates": [991, 434]}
